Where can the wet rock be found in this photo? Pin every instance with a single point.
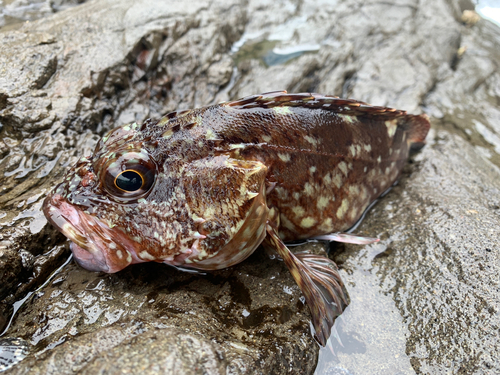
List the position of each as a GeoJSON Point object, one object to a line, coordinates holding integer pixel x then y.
{"type": "Point", "coordinates": [14, 13]}
{"type": "Point", "coordinates": [427, 291]}
{"type": "Point", "coordinates": [61, 87]}
{"type": "Point", "coordinates": [65, 86]}
{"type": "Point", "coordinates": [155, 319]}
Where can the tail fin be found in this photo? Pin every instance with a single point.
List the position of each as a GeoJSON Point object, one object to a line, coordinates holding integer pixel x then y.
{"type": "Point", "coordinates": [418, 127]}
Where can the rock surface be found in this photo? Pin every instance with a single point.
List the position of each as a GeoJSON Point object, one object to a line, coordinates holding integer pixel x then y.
{"type": "Point", "coordinates": [428, 291]}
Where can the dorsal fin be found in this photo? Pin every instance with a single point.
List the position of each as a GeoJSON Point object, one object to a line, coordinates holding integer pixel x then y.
{"type": "Point", "coordinates": [313, 100]}
{"type": "Point", "coordinates": [417, 125]}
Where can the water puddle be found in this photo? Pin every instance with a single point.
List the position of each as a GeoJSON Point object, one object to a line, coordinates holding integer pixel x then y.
{"type": "Point", "coordinates": [370, 336]}
{"type": "Point", "coordinates": [34, 212]}
{"type": "Point", "coordinates": [276, 44]}
{"type": "Point", "coordinates": [17, 305]}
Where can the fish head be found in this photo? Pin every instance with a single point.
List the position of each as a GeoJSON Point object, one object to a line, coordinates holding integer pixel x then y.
{"type": "Point", "coordinates": [94, 204]}
{"type": "Point", "coordinates": [141, 197]}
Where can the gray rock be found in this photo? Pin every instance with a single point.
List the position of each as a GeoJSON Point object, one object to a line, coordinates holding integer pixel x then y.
{"type": "Point", "coordinates": [61, 86]}
{"type": "Point", "coordinates": [154, 319]}
{"type": "Point", "coordinates": [423, 300]}
{"type": "Point", "coordinates": [14, 12]}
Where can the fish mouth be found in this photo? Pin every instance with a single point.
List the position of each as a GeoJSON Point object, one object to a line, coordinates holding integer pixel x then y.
{"type": "Point", "coordinates": [95, 245]}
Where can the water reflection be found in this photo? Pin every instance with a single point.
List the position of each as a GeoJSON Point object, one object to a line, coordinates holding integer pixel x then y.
{"type": "Point", "coordinates": [370, 336]}
{"type": "Point", "coordinates": [489, 9]}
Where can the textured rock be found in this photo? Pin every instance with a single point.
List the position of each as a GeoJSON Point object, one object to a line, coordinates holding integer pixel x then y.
{"type": "Point", "coordinates": [155, 319]}
{"type": "Point", "coordinates": [60, 85]}
{"type": "Point", "coordinates": [423, 300]}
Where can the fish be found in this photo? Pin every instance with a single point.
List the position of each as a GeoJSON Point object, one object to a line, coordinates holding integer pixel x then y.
{"type": "Point", "coordinates": [203, 188]}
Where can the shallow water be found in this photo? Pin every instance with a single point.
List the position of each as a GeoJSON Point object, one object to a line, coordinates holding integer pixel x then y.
{"type": "Point", "coordinates": [371, 332]}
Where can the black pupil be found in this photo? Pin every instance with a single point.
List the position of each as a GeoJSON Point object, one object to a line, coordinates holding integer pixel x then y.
{"type": "Point", "coordinates": [129, 181]}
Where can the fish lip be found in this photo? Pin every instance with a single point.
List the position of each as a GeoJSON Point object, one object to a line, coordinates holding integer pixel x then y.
{"type": "Point", "coordinates": [75, 225]}
{"type": "Point", "coordinates": [66, 218]}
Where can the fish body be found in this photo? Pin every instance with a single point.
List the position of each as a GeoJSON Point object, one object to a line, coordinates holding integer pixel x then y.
{"type": "Point", "coordinates": [204, 188]}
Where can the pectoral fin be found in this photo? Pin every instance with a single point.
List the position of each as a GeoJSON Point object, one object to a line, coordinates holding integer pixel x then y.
{"type": "Point", "coordinates": [318, 279]}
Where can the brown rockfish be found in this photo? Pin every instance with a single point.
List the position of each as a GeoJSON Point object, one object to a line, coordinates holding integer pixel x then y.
{"type": "Point", "coordinates": [204, 188]}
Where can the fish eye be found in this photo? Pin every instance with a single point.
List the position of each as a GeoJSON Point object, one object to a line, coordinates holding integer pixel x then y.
{"type": "Point", "coordinates": [128, 177]}
{"type": "Point", "coordinates": [129, 181]}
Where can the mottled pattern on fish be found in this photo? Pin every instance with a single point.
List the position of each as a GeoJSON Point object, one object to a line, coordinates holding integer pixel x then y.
{"type": "Point", "coordinates": [217, 180]}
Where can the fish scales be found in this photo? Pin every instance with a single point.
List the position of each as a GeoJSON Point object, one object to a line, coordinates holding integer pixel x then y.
{"type": "Point", "coordinates": [203, 188]}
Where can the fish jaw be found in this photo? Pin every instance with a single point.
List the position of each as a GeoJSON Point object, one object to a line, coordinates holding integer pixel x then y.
{"type": "Point", "coordinates": [95, 246]}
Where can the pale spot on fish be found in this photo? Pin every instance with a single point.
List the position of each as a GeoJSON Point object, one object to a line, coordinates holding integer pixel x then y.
{"type": "Point", "coordinates": [198, 120]}
{"type": "Point", "coordinates": [391, 127]}
{"type": "Point", "coordinates": [323, 202]}
{"type": "Point", "coordinates": [337, 180]}
{"type": "Point", "coordinates": [283, 110]}
{"type": "Point", "coordinates": [354, 190]}
{"type": "Point", "coordinates": [236, 145]}
{"type": "Point", "coordinates": [352, 150]}
{"type": "Point", "coordinates": [298, 211]}
{"type": "Point", "coordinates": [379, 159]}
{"type": "Point", "coordinates": [307, 222]}
{"type": "Point", "coordinates": [358, 150]}
{"type": "Point", "coordinates": [211, 135]}
{"type": "Point", "coordinates": [146, 256]}
{"type": "Point", "coordinates": [327, 225]}
{"type": "Point", "coordinates": [364, 194]}
{"type": "Point", "coordinates": [167, 134]}
{"type": "Point", "coordinates": [163, 121]}
{"type": "Point", "coordinates": [343, 167]}
{"type": "Point", "coordinates": [286, 223]}
{"type": "Point", "coordinates": [283, 193]}
{"type": "Point", "coordinates": [119, 254]}
{"type": "Point", "coordinates": [259, 211]}
{"type": "Point", "coordinates": [353, 213]}
{"type": "Point", "coordinates": [261, 228]}
{"type": "Point", "coordinates": [394, 174]}
{"type": "Point", "coordinates": [343, 208]}
{"type": "Point", "coordinates": [309, 189]}
{"type": "Point", "coordinates": [312, 169]}
{"type": "Point", "coordinates": [284, 157]}
{"type": "Point", "coordinates": [327, 180]}
{"type": "Point", "coordinates": [266, 138]}
{"type": "Point", "coordinates": [365, 169]}
{"type": "Point", "coordinates": [367, 148]}
{"type": "Point", "coordinates": [311, 140]}
{"type": "Point", "coordinates": [349, 119]}
{"type": "Point", "coordinates": [203, 253]}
